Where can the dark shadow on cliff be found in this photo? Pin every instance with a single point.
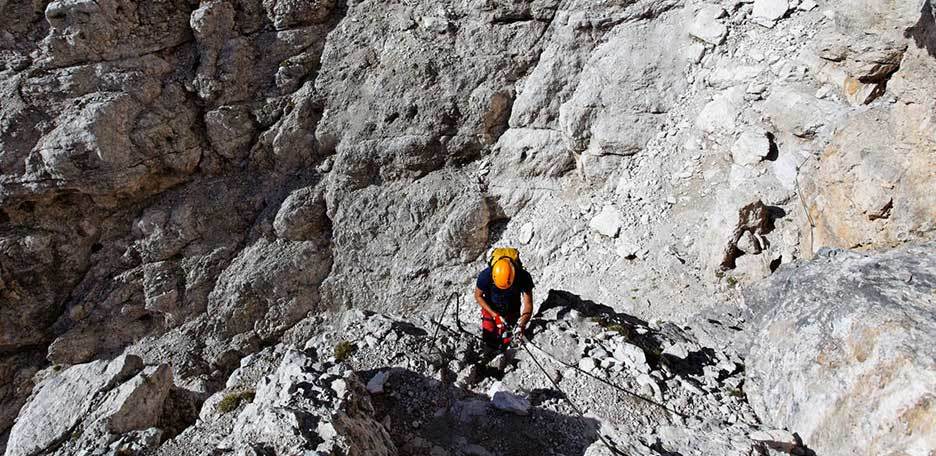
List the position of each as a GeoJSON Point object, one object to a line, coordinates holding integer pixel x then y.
{"type": "Point", "coordinates": [924, 31]}
{"type": "Point", "coordinates": [421, 412]}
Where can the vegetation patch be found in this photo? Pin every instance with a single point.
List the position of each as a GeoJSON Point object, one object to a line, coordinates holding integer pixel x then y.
{"type": "Point", "coordinates": [343, 350]}
{"type": "Point", "coordinates": [233, 400]}
{"type": "Point", "coordinates": [737, 393]}
{"type": "Point", "coordinates": [613, 326]}
{"type": "Point", "coordinates": [732, 282]}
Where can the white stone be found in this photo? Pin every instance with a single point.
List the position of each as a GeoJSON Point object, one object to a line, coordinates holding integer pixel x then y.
{"type": "Point", "coordinates": [720, 114]}
{"type": "Point", "coordinates": [60, 402]}
{"type": "Point", "coordinates": [676, 350]}
{"type": "Point", "coordinates": [626, 248]}
{"type": "Point", "coordinates": [694, 52]}
{"type": "Point", "coordinates": [751, 147]}
{"type": "Point", "coordinates": [648, 381]}
{"type": "Point", "coordinates": [707, 27]}
{"type": "Point", "coordinates": [633, 356]}
{"type": "Point", "coordinates": [526, 233]}
{"type": "Point", "coordinates": [598, 353]}
{"type": "Point", "coordinates": [770, 10]}
{"type": "Point", "coordinates": [773, 435]}
{"type": "Point", "coordinates": [807, 5]}
{"type": "Point", "coordinates": [607, 222]}
{"type": "Point", "coordinates": [587, 364]}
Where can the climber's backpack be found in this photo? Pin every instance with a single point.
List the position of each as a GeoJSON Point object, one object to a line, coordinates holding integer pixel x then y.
{"type": "Point", "coordinates": [508, 252]}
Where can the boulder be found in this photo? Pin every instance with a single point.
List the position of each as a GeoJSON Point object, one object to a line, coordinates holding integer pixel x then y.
{"type": "Point", "coordinates": [302, 217]}
{"type": "Point", "coordinates": [607, 222]}
{"type": "Point", "coordinates": [63, 400]}
{"type": "Point", "coordinates": [587, 364]}
{"type": "Point", "coordinates": [504, 399]}
{"type": "Point", "coordinates": [770, 10]}
{"type": "Point", "coordinates": [754, 221]}
{"type": "Point", "coordinates": [526, 233]}
{"type": "Point", "coordinates": [843, 350]}
{"type": "Point", "coordinates": [751, 147]}
{"type": "Point", "coordinates": [138, 403]}
{"type": "Point", "coordinates": [706, 25]}
{"type": "Point", "coordinates": [376, 384]}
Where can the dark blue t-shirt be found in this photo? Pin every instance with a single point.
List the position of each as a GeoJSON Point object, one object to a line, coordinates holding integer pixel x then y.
{"type": "Point", "coordinates": [504, 301]}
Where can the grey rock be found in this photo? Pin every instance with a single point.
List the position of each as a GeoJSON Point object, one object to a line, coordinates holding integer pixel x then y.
{"type": "Point", "coordinates": [376, 384]}
{"type": "Point", "coordinates": [856, 317]}
{"type": "Point", "coordinates": [138, 403]}
{"type": "Point", "coordinates": [503, 399]}
{"type": "Point", "coordinates": [195, 181]}
{"type": "Point", "coordinates": [302, 216]}
{"type": "Point", "coordinates": [62, 401]}
{"type": "Point", "coordinates": [269, 286]}
{"type": "Point", "coordinates": [633, 356]}
{"type": "Point", "coordinates": [297, 393]}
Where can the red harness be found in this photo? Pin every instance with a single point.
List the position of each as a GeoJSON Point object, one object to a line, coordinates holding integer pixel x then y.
{"type": "Point", "coordinates": [496, 325]}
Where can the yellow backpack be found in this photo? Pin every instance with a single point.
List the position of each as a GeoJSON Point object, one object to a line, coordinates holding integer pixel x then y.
{"type": "Point", "coordinates": [509, 252]}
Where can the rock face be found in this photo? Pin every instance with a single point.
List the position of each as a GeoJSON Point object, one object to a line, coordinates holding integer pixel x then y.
{"type": "Point", "coordinates": [190, 181]}
{"type": "Point", "coordinates": [98, 404]}
{"type": "Point", "coordinates": [875, 201]}
{"type": "Point", "coordinates": [843, 351]}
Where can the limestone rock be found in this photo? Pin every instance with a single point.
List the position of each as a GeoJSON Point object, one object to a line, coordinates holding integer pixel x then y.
{"type": "Point", "coordinates": [230, 130]}
{"type": "Point", "coordinates": [296, 393]}
{"type": "Point", "coordinates": [720, 114]}
{"type": "Point", "coordinates": [203, 182]}
{"type": "Point", "coordinates": [633, 356]}
{"type": "Point", "coordinates": [138, 403]}
{"type": "Point", "coordinates": [770, 10]}
{"type": "Point", "coordinates": [706, 25]}
{"type": "Point", "coordinates": [754, 221]}
{"type": "Point", "coordinates": [302, 217]}
{"type": "Point", "coordinates": [870, 317]}
{"type": "Point", "coordinates": [587, 364]}
{"type": "Point", "coordinates": [63, 400]}
{"type": "Point", "coordinates": [751, 147]}
{"type": "Point", "coordinates": [268, 286]}
{"type": "Point", "coordinates": [873, 201]}
{"type": "Point", "coordinates": [607, 222]}
{"type": "Point", "coordinates": [801, 114]}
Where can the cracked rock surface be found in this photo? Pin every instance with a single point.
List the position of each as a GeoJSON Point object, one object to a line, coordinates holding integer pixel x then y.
{"type": "Point", "coordinates": [196, 189]}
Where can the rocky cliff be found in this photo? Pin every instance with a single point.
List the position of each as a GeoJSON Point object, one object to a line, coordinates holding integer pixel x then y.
{"type": "Point", "coordinates": [188, 182]}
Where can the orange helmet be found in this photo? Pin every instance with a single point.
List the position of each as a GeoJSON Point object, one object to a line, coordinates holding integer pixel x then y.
{"type": "Point", "coordinates": [503, 273]}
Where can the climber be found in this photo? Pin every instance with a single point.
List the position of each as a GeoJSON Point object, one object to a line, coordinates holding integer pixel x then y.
{"type": "Point", "coordinates": [499, 290]}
